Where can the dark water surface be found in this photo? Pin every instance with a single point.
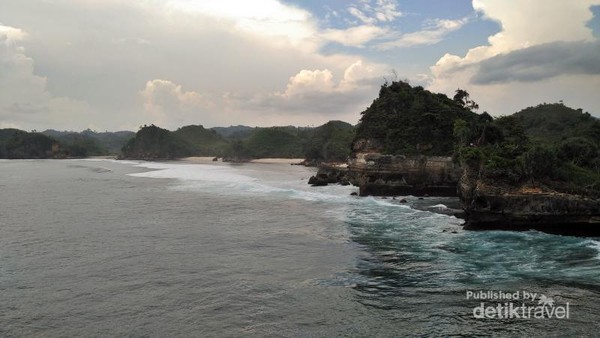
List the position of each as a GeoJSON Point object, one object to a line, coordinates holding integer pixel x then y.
{"type": "Point", "coordinates": [106, 248]}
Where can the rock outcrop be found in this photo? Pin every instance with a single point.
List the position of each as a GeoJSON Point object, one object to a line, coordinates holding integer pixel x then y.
{"type": "Point", "coordinates": [493, 207]}
{"type": "Point", "coordinates": [397, 175]}
{"type": "Point", "coordinates": [330, 174]}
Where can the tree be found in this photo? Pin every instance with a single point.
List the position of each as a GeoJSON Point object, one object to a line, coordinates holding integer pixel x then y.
{"type": "Point", "coordinates": [578, 150]}
{"type": "Point", "coordinates": [462, 98]}
{"type": "Point", "coordinates": [461, 131]}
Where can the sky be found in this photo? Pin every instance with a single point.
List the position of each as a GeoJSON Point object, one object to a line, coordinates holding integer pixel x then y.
{"type": "Point", "coordinates": [119, 64]}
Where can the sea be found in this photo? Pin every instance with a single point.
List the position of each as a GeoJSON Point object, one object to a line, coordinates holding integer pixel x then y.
{"type": "Point", "coordinates": [178, 249]}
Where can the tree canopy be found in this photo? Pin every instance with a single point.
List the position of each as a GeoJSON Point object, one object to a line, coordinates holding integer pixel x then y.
{"type": "Point", "coordinates": [411, 120]}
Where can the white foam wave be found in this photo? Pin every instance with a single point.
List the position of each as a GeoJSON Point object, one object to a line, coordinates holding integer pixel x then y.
{"type": "Point", "coordinates": [595, 245]}
{"type": "Point", "coordinates": [439, 206]}
{"type": "Point", "coordinates": [191, 172]}
{"type": "Point", "coordinates": [372, 200]}
{"type": "Point", "coordinates": [226, 179]}
{"type": "Point", "coordinates": [111, 160]}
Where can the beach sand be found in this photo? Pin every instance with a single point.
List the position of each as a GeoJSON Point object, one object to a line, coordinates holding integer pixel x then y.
{"type": "Point", "coordinates": [277, 160]}
{"type": "Point", "coordinates": [198, 159]}
{"type": "Point", "coordinates": [258, 160]}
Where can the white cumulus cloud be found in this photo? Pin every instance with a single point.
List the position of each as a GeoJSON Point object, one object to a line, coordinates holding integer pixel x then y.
{"type": "Point", "coordinates": [355, 36]}
{"type": "Point", "coordinates": [166, 103]}
{"type": "Point", "coordinates": [528, 28]}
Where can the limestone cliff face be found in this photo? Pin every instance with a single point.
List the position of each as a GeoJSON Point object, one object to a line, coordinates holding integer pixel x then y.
{"type": "Point", "coordinates": [379, 174]}
{"type": "Point", "coordinates": [389, 175]}
{"type": "Point", "coordinates": [489, 207]}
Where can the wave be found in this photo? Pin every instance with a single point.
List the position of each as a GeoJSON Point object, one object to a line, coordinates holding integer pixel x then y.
{"type": "Point", "coordinates": [439, 206]}
{"type": "Point", "coordinates": [190, 172]}
{"type": "Point", "coordinates": [236, 180]}
{"type": "Point", "coordinates": [594, 244]}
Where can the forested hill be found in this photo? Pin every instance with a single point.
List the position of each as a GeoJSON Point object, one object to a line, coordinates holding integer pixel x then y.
{"type": "Point", "coordinates": [89, 142]}
{"type": "Point", "coordinates": [549, 123]}
{"type": "Point", "coordinates": [329, 142]}
{"type": "Point", "coordinates": [551, 146]}
{"type": "Point", "coordinates": [411, 120]}
{"type": "Point", "coordinates": [15, 143]}
{"type": "Point", "coordinates": [202, 142]}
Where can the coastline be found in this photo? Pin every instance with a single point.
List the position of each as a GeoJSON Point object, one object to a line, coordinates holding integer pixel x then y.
{"type": "Point", "coordinates": [277, 160]}
{"type": "Point", "coordinates": [209, 159]}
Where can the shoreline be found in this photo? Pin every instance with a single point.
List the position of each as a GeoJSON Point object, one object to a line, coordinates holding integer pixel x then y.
{"type": "Point", "coordinates": [209, 159]}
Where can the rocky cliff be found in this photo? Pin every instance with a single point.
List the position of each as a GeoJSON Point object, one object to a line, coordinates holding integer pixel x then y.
{"type": "Point", "coordinates": [391, 175]}
{"type": "Point", "coordinates": [404, 143]}
{"type": "Point", "coordinates": [378, 174]}
{"type": "Point", "coordinates": [489, 207]}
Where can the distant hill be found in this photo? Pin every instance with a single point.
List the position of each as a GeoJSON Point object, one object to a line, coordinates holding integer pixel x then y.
{"type": "Point", "coordinates": [19, 144]}
{"type": "Point", "coordinates": [234, 132]}
{"type": "Point", "coordinates": [153, 143]}
{"type": "Point", "coordinates": [271, 142]}
{"type": "Point", "coordinates": [203, 142]}
{"type": "Point", "coordinates": [91, 143]}
{"type": "Point", "coordinates": [551, 123]}
{"type": "Point", "coordinates": [112, 142]}
{"type": "Point", "coordinates": [330, 142]}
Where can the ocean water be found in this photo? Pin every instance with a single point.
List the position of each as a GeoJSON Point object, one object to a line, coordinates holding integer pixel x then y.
{"type": "Point", "coordinates": [122, 248]}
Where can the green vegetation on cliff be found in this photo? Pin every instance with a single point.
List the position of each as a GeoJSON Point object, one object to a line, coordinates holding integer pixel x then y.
{"type": "Point", "coordinates": [549, 123]}
{"type": "Point", "coordinates": [330, 142]}
{"type": "Point", "coordinates": [89, 142]}
{"type": "Point", "coordinates": [413, 121]}
{"type": "Point", "coordinates": [202, 142]}
{"type": "Point", "coordinates": [152, 142]}
{"type": "Point", "coordinates": [19, 144]}
{"type": "Point", "coordinates": [551, 146]}
{"type": "Point", "coordinates": [275, 142]}
{"type": "Point", "coordinates": [15, 143]}
{"type": "Point", "coordinates": [80, 145]}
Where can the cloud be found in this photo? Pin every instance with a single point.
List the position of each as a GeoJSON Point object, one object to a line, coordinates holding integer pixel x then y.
{"type": "Point", "coordinates": [433, 32]}
{"type": "Point", "coordinates": [371, 12]}
{"type": "Point", "coordinates": [24, 99]}
{"type": "Point", "coordinates": [265, 18]}
{"type": "Point", "coordinates": [10, 35]}
{"type": "Point", "coordinates": [225, 56]}
{"type": "Point", "coordinates": [540, 62]}
{"type": "Point", "coordinates": [354, 36]}
{"type": "Point", "coordinates": [311, 96]}
{"type": "Point", "coordinates": [519, 30]}
{"type": "Point", "coordinates": [166, 102]}
{"type": "Point", "coordinates": [386, 10]}
{"type": "Point", "coordinates": [357, 13]}
{"type": "Point", "coordinates": [531, 47]}
{"type": "Point", "coordinates": [307, 82]}
{"type": "Point", "coordinates": [316, 95]}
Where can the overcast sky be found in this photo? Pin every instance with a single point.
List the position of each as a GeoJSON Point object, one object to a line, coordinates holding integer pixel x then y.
{"type": "Point", "coordinates": [119, 64]}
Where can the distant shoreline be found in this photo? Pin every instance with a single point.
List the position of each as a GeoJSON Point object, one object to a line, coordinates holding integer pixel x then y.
{"type": "Point", "coordinates": [205, 159]}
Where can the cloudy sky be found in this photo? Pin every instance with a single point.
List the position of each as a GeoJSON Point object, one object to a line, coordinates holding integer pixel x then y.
{"type": "Point", "coordinates": [118, 64]}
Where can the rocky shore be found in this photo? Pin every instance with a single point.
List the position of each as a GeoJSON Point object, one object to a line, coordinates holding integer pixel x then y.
{"type": "Point", "coordinates": [496, 207]}
{"type": "Point", "coordinates": [393, 175]}
{"type": "Point", "coordinates": [397, 175]}
{"type": "Point", "coordinates": [486, 206]}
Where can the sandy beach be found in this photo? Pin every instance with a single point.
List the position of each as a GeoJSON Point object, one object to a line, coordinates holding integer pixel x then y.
{"type": "Point", "coordinates": [277, 160]}
{"type": "Point", "coordinates": [196, 159]}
